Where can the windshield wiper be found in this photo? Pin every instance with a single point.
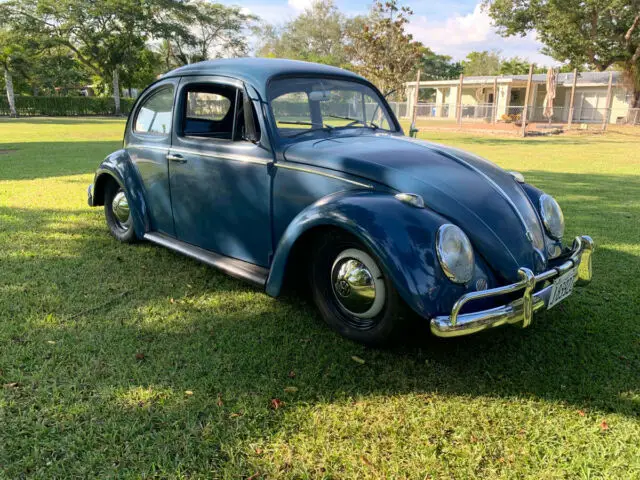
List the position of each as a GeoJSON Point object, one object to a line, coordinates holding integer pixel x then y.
{"type": "Point", "coordinates": [325, 127]}
{"type": "Point", "coordinates": [354, 121]}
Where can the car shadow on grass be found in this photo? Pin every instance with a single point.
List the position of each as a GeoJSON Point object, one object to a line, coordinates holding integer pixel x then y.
{"type": "Point", "coordinates": [133, 341]}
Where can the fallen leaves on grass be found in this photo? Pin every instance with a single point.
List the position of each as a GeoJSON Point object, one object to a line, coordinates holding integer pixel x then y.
{"type": "Point", "coordinates": [139, 356]}
{"type": "Point", "coordinates": [604, 426]}
{"type": "Point", "coordinates": [276, 403]}
{"type": "Point", "coordinates": [219, 401]}
{"type": "Point", "coordinates": [357, 359]}
{"type": "Point", "coordinates": [188, 393]}
{"type": "Point", "coordinates": [292, 374]}
{"type": "Point", "coordinates": [11, 385]}
{"type": "Point", "coordinates": [581, 413]}
{"type": "Point", "coordinates": [291, 389]}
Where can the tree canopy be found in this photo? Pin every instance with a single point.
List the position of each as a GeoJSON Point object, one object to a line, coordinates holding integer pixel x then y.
{"type": "Point", "coordinates": [597, 33]}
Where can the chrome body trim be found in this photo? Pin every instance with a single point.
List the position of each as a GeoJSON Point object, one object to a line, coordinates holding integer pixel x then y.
{"type": "Point", "coordinates": [231, 266]}
{"type": "Point", "coordinates": [519, 311]}
{"type": "Point", "coordinates": [324, 174]}
{"type": "Point", "coordinates": [224, 156]}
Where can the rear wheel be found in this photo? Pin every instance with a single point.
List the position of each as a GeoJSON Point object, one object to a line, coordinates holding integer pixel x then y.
{"type": "Point", "coordinates": [118, 214]}
{"type": "Point", "coordinates": [351, 291]}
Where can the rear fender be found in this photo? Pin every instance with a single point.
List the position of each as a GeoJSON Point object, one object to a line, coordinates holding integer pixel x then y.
{"type": "Point", "coordinates": [118, 166]}
{"type": "Point", "coordinates": [402, 238]}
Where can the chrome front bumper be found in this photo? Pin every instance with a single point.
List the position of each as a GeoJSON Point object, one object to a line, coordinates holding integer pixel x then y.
{"type": "Point", "coordinates": [519, 311]}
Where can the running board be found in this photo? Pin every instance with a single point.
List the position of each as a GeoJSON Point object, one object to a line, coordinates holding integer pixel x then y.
{"type": "Point", "coordinates": [231, 266]}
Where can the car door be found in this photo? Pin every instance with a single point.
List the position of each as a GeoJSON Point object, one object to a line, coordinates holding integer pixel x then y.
{"type": "Point", "coordinates": [220, 182]}
{"type": "Point", "coordinates": [147, 141]}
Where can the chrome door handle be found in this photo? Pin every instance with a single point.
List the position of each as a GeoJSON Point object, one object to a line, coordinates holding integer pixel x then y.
{"type": "Point", "coordinates": [176, 157]}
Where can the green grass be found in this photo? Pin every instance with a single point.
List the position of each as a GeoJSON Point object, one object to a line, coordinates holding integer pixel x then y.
{"type": "Point", "coordinates": [132, 361]}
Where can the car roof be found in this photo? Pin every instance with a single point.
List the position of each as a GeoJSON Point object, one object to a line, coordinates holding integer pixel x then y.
{"type": "Point", "coordinates": [258, 71]}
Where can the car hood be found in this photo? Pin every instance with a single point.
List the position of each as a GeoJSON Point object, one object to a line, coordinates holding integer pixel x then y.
{"type": "Point", "coordinates": [475, 194]}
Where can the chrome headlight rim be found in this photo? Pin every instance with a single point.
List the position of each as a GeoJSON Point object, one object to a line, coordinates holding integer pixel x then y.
{"type": "Point", "coordinates": [551, 213]}
{"type": "Point", "coordinates": [455, 277]}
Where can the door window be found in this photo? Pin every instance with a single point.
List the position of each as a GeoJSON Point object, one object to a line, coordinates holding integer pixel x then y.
{"type": "Point", "coordinates": [155, 114]}
{"type": "Point", "coordinates": [214, 111]}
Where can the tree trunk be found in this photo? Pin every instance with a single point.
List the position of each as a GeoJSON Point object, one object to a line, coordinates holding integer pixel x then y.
{"type": "Point", "coordinates": [116, 90]}
{"type": "Point", "coordinates": [8, 80]}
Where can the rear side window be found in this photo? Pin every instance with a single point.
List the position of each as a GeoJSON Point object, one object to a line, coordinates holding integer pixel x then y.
{"type": "Point", "coordinates": [156, 113]}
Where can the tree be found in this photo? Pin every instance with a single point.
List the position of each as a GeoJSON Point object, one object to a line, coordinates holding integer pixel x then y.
{"type": "Point", "coordinates": [381, 50]}
{"type": "Point", "coordinates": [482, 63]}
{"type": "Point", "coordinates": [210, 30]}
{"type": "Point", "coordinates": [104, 35]}
{"type": "Point", "coordinates": [599, 33]}
{"type": "Point", "coordinates": [437, 67]}
{"type": "Point", "coordinates": [515, 66]}
{"type": "Point", "coordinates": [318, 34]}
{"type": "Point", "coordinates": [15, 50]}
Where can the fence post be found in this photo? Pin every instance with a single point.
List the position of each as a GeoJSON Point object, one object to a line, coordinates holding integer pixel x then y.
{"type": "Point", "coordinates": [523, 118]}
{"type": "Point", "coordinates": [459, 101]}
{"type": "Point", "coordinates": [416, 98]}
{"type": "Point", "coordinates": [494, 112]}
{"type": "Point", "coordinates": [573, 96]}
{"type": "Point", "coordinates": [607, 105]}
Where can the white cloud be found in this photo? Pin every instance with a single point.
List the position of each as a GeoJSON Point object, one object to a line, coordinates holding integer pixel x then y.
{"type": "Point", "coordinates": [300, 5]}
{"type": "Point", "coordinates": [460, 34]}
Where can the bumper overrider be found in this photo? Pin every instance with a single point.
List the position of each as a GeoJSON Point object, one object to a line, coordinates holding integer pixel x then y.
{"type": "Point", "coordinates": [519, 311]}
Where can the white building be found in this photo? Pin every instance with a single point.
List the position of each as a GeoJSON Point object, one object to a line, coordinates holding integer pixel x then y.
{"type": "Point", "coordinates": [486, 97]}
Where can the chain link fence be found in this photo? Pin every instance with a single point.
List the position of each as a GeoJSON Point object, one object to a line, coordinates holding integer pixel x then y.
{"type": "Point", "coordinates": [65, 106]}
{"type": "Point", "coordinates": [489, 116]}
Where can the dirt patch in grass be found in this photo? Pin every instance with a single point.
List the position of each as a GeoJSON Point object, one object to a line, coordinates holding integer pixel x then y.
{"type": "Point", "coordinates": [7, 151]}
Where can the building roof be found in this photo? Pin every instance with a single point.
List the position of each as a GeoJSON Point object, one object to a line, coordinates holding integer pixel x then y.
{"type": "Point", "coordinates": [258, 71]}
{"type": "Point", "coordinates": [591, 78]}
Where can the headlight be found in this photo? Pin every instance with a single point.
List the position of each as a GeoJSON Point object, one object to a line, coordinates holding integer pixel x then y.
{"type": "Point", "coordinates": [552, 216]}
{"type": "Point", "coordinates": [455, 253]}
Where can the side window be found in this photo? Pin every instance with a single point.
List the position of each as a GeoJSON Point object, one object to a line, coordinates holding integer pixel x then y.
{"type": "Point", "coordinates": [215, 111]}
{"type": "Point", "coordinates": [155, 114]}
{"type": "Point", "coordinates": [209, 111]}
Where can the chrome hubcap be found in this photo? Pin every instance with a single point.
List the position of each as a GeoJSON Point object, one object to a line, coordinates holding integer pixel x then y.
{"type": "Point", "coordinates": [357, 284]}
{"type": "Point", "coordinates": [120, 207]}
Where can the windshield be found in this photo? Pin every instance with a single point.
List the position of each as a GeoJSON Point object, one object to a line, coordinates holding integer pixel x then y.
{"type": "Point", "coordinates": [304, 105]}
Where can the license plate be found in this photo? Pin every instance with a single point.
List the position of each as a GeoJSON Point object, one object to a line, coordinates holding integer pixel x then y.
{"type": "Point", "coordinates": [562, 288]}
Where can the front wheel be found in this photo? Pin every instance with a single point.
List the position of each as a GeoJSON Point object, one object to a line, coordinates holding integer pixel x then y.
{"type": "Point", "coordinates": [118, 214]}
{"type": "Point", "coordinates": [351, 291]}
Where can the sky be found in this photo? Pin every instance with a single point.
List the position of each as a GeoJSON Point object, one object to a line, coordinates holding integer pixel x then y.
{"type": "Point", "coordinates": [452, 28]}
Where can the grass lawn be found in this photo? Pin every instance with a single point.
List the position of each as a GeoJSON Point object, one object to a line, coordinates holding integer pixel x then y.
{"type": "Point", "coordinates": [132, 361]}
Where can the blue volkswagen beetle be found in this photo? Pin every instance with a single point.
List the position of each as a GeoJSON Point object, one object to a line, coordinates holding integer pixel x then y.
{"type": "Point", "coordinates": [276, 170]}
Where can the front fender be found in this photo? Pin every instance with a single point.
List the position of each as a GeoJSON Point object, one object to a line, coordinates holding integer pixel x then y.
{"type": "Point", "coordinates": [402, 237]}
{"type": "Point", "coordinates": [118, 166]}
